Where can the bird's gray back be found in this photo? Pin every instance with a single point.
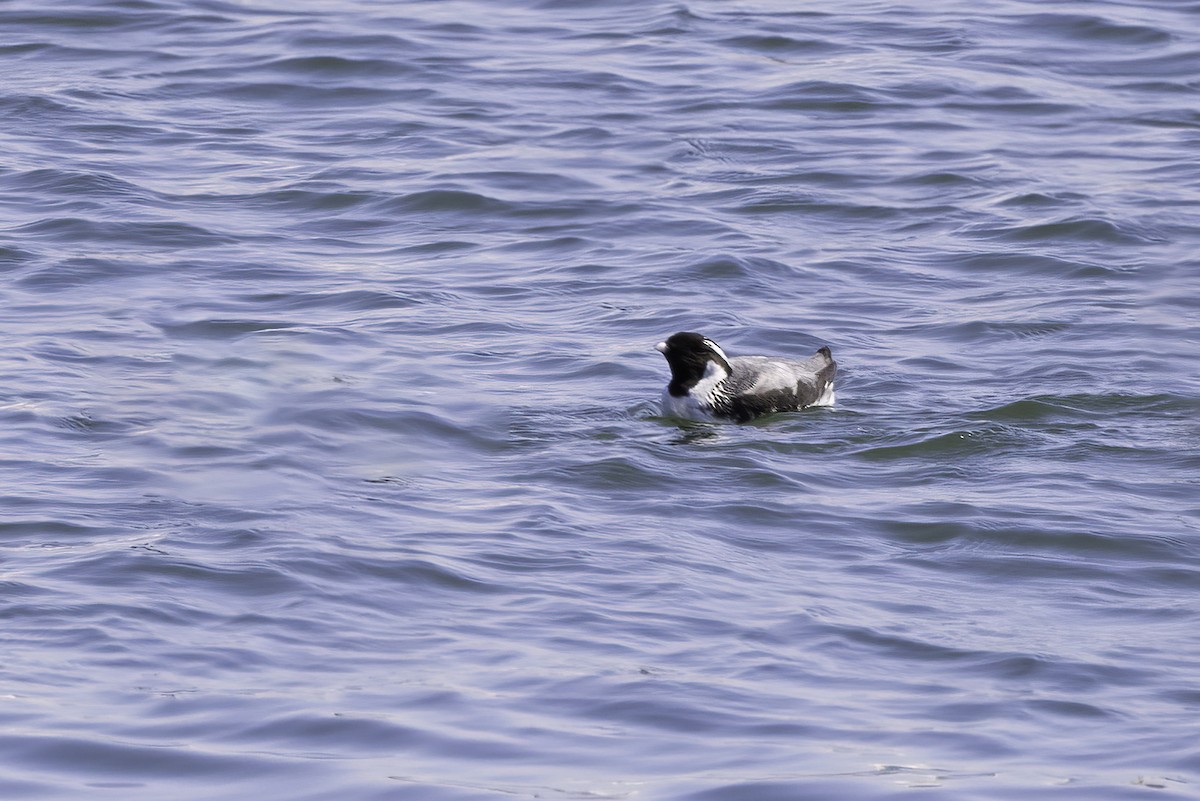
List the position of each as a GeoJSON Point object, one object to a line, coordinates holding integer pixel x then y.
{"type": "Point", "coordinates": [763, 374]}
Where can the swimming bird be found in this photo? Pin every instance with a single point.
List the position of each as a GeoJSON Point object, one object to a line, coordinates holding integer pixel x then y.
{"type": "Point", "coordinates": [707, 385]}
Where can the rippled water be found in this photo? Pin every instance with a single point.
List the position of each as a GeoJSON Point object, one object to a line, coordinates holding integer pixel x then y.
{"type": "Point", "coordinates": [331, 463]}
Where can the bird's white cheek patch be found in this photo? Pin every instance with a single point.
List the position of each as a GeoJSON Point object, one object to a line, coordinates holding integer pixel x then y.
{"type": "Point", "coordinates": [716, 349]}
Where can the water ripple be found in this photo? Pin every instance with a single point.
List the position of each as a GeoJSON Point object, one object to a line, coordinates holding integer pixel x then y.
{"type": "Point", "coordinates": [333, 463]}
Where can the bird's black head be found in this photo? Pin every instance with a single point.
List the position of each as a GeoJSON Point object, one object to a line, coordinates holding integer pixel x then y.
{"type": "Point", "coordinates": [689, 355]}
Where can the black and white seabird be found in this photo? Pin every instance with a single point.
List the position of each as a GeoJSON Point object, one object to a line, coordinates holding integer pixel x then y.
{"type": "Point", "coordinates": [707, 385]}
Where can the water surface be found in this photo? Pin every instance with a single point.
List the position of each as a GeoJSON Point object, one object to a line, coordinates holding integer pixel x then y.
{"type": "Point", "coordinates": [331, 459]}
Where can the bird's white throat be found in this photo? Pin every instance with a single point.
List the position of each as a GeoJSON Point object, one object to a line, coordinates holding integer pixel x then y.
{"type": "Point", "coordinates": [698, 402]}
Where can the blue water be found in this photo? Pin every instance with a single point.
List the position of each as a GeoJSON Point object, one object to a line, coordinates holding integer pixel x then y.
{"type": "Point", "coordinates": [331, 461]}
